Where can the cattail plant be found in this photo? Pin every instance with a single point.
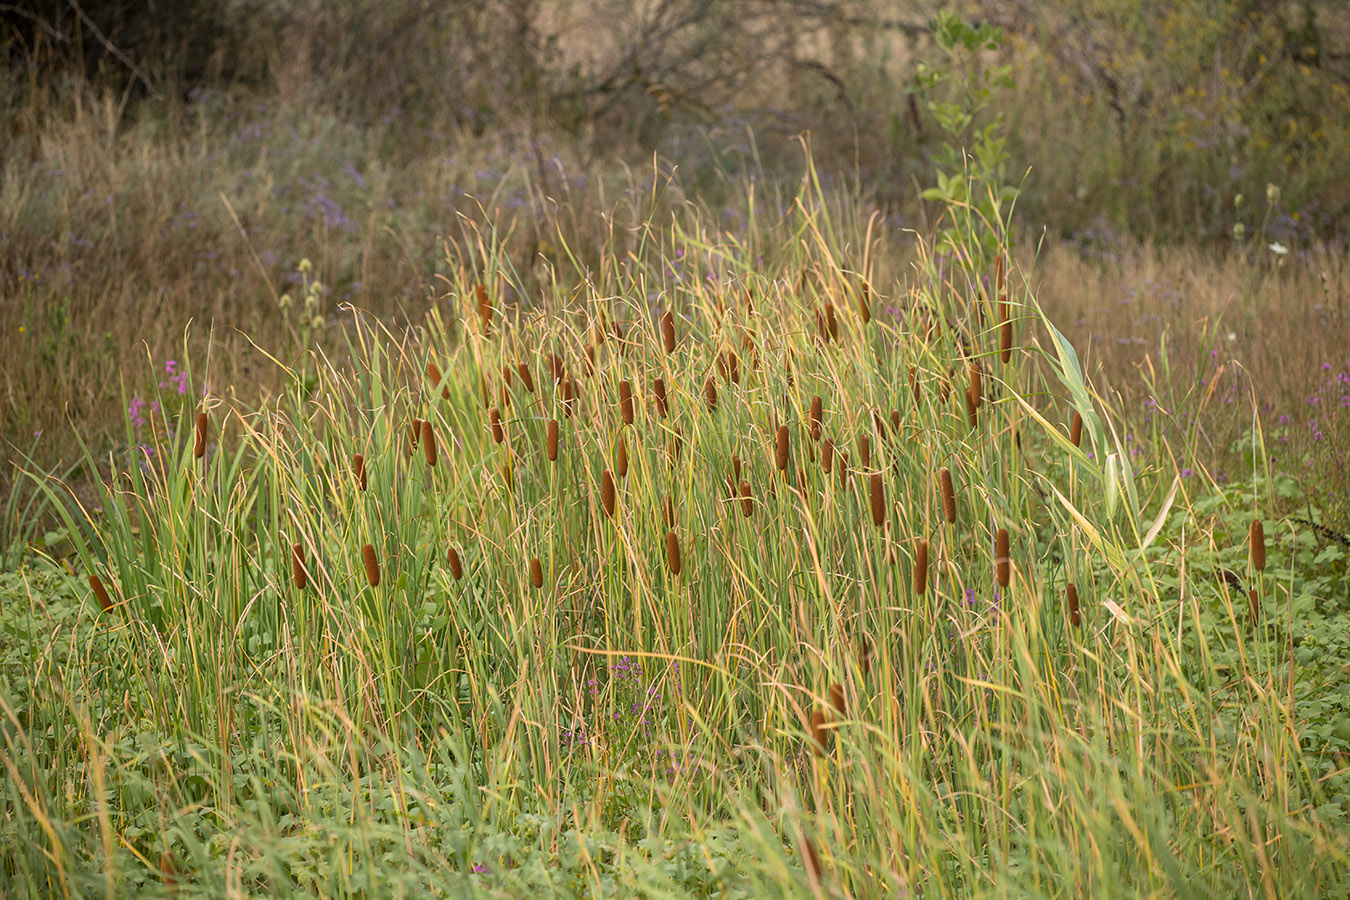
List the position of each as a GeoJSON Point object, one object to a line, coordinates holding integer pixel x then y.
{"type": "Point", "coordinates": [831, 323]}
{"type": "Point", "coordinates": [525, 377]}
{"type": "Point", "coordinates": [495, 421]}
{"type": "Point", "coordinates": [668, 511]}
{"type": "Point", "coordinates": [659, 392]}
{"type": "Point", "coordinates": [921, 567]}
{"type": "Point", "coordinates": [505, 392]}
{"type": "Point", "coordinates": [428, 443]}
{"type": "Point", "coordinates": [837, 699]}
{"type": "Point", "coordinates": [199, 448]}
{"type": "Point", "coordinates": [948, 494]}
{"type": "Point", "coordinates": [456, 566]}
{"type": "Point", "coordinates": [359, 470]}
{"type": "Point", "coordinates": [971, 406]}
{"type": "Point", "coordinates": [1256, 536]}
{"type": "Point", "coordinates": [895, 422]}
{"type": "Point", "coordinates": [710, 394]}
{"type": "Point", "coordinates": [816, 417]}
{"type": "Point", "coordinates": [781, 454]}
{"type": "Point", "coordinates": [668, 331]}
{"type": "Point", "coordinates": [414, 435]}
{"type": "Point", "coordinates": [1002, 561]}
{"type": "Point", "coordinates": [865, 302]}
{"type": "Point", "coordinates": [557, 372]}
{"type": "Point", "coordinates": [551, 444]}
{"type": "Point", "coordinates": [298, 566]}
{"type": "Point", "coordinates": [569, 392]}
{"type": "Point", "coordinates": [673, 553]}
{"type": "Point", "coordinates": [827, 456]}
{"type": "Point", "coordinates": [1254, 604]}
{"type": "Point", "coordinates": [818, 740]}
{"type": "Point", "coordinates": [676, 444]}
{"type": "Point", "coordinates": [807, 850]}
{"type": "Point", "coordinates": [105, 602]}
{"type": "Point", "coordinates": [621, 458]}
{"type": "Point", "coordinates": [864, 655]}
{"type": "Point", "coordinates": [1076, 429]}
{"type": "Point", "coordinates": [878, 497]}
{"type": "Point", "coordinates": [976, 384]}
{"type": "Point", "coordinates": [841, 466]}
{"type": "Point", "coordinates": [484, 306]}
{"type": "Point", "coordinates": [1075, 613]}
{"type": "Point", "coordinates": [626, 401]}
{"type": "Point", "coordinates": [607, 497]}
{"type": "Point", "coordinates": [372, 565]}
{"type": "Point", "coordinates": [434, 376]}
{"type": "Point", "coordinates": [914, 384]}
{"type": "Point", "coordinates": [747, 503]}
{"type": "Point", "coordinates": [1005, 339]}
{"type": "Point", "coordinates": [864, 451]}
{"type": "Point", "coordinates": [590, 359]}
{"type": "Point", "coordinates": [536, 573]}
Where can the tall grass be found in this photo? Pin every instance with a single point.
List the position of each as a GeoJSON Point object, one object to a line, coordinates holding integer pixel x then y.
{"type": "Point", "coordinates": [480, 671]}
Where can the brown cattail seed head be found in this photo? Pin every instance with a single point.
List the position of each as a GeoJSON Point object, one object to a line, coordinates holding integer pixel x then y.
{"type": "Point", "coordinates": [626, 401]}
{"type": "Point", "coordinates": [298, 565]}
{"type": "Point", "coordinates": [921, 567]}
{"type": "Point", "coordinates": [607, 492]}
{"type": "Point", "coordinates": [1076, 430]}
{"type": "Point", "coordinates": [495, 420]}
{"type": "Point", "coordinates": [976, 384]}
{"type": "Point", "coordinates": [1257, 537]}
{"type": "Point", "coordinates": [735, 467]}
{"type": "Point", "coordinates": [818, 738]}
{"type": "Point", "coordinates": [536, 573]}
{"type": "Point", "coordinates": [552, 442]}
{"type": "Point", "coordinates": [878, 494]}
{"type": "Point", "coordinates": [841, 464]}
{"type": "Point", "coordinates": [837, 699]}
{"type": "Point", "coordinates": [668, 331]}
{"type": "Point", "coordinates": [673, 552]}
{"type": "Point", "coordinates": [434, 376]}
{"type": "Point", "coordinates": [621, 459]}
{"type": "Point", "coordinates": [747, 504]}
{"type": "Point", "coordinates": [456, 566]}
{"type": "Point", "coordinates": [864, 450]}
{"type": "Point", "coordinates": [781, 457]}
{"type": "Point", "coordinates": [525, 377]}
{"type": "Point", "coordinates": [831, 323]}
{"type": "Point", "coordinates": [428, 443]}
{"type": "Point", "coordinates": [569, 392]}
{"type": "Point", "coordinates": [865, 302]}
{"type": "Point", "coordinates": [659, 391]}
{"type": "Point", "coordinates": [484, 306]}
{"type": "Point", "coordinates": [895, 422]}
{"type": "Point", "coordinates": [1005, 341]}
{"type": "Point", "coordinates": [1075, 614]}
{"type": "Point", "coordinates": [710, 394]}
{"type": "Point", "coordinates": [1002, 562]}
{"type": "Point", "coordinates": [590, 359]}
{"type": "Point", "coordinates": [1254, 602]}
{"type": "Point", "coordinates": [414, 435]}
{"type": "Point", "coordinates": [372, 565]}
{"type": "Point", "coordinates": [199, 449]}
{"type": "Point", "coordinates": [948, 494]}
{"type": "Point", "coordinates": [359, 468]}
{"type": "Point", "coordinates": [100, 593]}
{"type": "Point", "coordinates": [816, 417]}
{"type": "Point", "coordinates": [827, 456]}
{"type": "Point", "coordinates": [807, 851]}
{"type": "Point", "coordinates": [971, 406]}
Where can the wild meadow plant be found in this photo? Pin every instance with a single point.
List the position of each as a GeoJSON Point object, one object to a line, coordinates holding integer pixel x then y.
{"type": "Point", "coordinates": [734, 586]}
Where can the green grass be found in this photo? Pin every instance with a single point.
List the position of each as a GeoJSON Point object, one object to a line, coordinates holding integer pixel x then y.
{"type": "Point", "coordinates": [627, 730]}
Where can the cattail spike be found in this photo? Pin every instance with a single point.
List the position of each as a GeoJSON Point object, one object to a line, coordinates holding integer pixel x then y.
{"type": "Point", "coordinates": [669, 511]}
{"type": "Point", "coordinates": [781, 455]}
{"type": "Point", "coordinates": [710, 394]}
{"type": "Point", "coordinates": [359, 468]}
{"type": "Point", "coordinates": [668, 331]}
{"type": "Point", "coordinates": [434, 376]}
{"type": "Point", "coordinates": [864, 451]}
{"type": "Point", "coordinates": [1005, 341]}
{"type": "Point", "coordinates": [298, 566]}
{"type": "Point", "coordinates": [626, 401]}
{"type": "Point", "coordinates": [921, 567]}
{"type": "Point", "coordinates": [948, 494]}
{"type": "Point", "coordinates": [372, 565]}
{"type": "Point", "coordinates": [976, 384]}
{"type": "Point", "coordinates": [101, 593]}
{"type": "Point", "coordinates": [1076, 429]}
{"type": "Point", "coordinates": [747, 504]}
{"type": "Point", "coordinates": [1257, 537]}
{"type": "Point", "coordinates": [525, 377]}
{"type": "Point", "coordinates": [816, 417]}
{"type": "Point", "coordinates": [621, 459]}
{"type": "Point", "coordinates": [818, 739]}
{"type": "Point", "coordinates": [199, 448]}
{"type": "Point", "coordinates": [1002, 561]}
{"type": "Point", "coordinates": [827, 456]}
{"type": "Point", "coordinates": [536, 573]}
{"type": "Point", "coordinates": [659, 391]}
{"type": "Point", "coordinates": [495, 421]}
{"type": "Point", "coordinates": [837, 699]}
{"type": "Point", "coordinates": [673, 553]}
{"type": "Point", "coordinates": [607, 497]}
{"type": "Point", "coordinates": [429, 443]}
{"type": "Point", "coordinates": [456, 566]}
{"type": "Point", "coordinates": [484, 306]}
{"type": "Point", "coordinates": [1075, 613]}
{"type": "Point", "coordinates": [878, 497]}
{"type": "Point", "coordinates": [552, 445]}
{"type": "Point", "coordinates": [414, 435]}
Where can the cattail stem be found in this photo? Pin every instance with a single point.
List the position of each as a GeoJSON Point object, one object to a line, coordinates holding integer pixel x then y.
{"type": "Point", "coordinates": [372, 565]}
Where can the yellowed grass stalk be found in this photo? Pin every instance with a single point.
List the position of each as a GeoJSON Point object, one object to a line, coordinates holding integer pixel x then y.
{"type": "Point", "coordinates": [372, 565]}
